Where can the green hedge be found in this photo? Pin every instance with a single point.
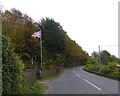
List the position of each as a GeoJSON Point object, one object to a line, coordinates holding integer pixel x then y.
{"type": "Point", "coordinates": [103, 70]}
{"type": "Point", "coordinates": [12, 69]}
{"type": "Point", "coordinates": [37, 88]}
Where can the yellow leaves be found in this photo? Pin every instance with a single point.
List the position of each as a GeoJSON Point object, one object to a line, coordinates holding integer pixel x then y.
{"type": "Point", "coordinates": [14, 34]}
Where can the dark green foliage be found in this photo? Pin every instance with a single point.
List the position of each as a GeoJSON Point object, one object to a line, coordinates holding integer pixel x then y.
{"type": "Point", "coordinates": [95, 54]}
{"type": "Point", "coordinates": [52, 35]}
{"type": "Point", "coordinates": [59, 46]}
{"type": "Point", "coordinates": [105, 57]}
{"type": "Point", "coordinates": [12, 69]}
{"type": "Point", "coordinates": [107, 67]}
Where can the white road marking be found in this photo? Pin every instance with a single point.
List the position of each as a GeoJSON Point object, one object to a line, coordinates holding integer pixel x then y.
{"type": "Point", "coordinates": [87, 81]}
{"type": "Point", "coordinates": [74, 71]}
{"type": "Point", "coordinates": [78, 75]}
{"type": "Point", "coordinates": [92, 84]}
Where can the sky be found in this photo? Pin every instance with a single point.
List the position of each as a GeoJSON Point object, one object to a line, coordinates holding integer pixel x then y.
{"type": "Point", "coordinates": [89, 22]}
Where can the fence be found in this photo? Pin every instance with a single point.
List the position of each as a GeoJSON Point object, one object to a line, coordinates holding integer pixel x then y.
{"type": "Point", "coordinates": [29, 77]}
{"type": "Point", "coordinates": [46, 73]}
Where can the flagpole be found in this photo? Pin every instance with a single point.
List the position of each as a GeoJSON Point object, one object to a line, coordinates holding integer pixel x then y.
{"type": "Point", "coordinates": [41, 56]}
{"type": "Point", "coordinates": [39, 35]}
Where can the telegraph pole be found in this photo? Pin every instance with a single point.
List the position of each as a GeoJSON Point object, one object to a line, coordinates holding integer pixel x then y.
{"type": "Point", "coordinates": [99, 54]}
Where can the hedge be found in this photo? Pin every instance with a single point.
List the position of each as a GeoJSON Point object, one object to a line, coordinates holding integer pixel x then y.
{"type": "Point", "coordinates": [12, 69]}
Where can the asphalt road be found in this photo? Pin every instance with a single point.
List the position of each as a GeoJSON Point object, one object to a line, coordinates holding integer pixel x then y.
{"type": "Point", "coordinates": [77, 81]}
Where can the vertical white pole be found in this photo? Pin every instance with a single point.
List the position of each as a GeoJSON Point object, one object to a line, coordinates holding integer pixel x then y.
{"type": "Point", "coordinates": [41, 55]}
{"type": "Point", "coordinates": [99, 54]}
{"type": "Point", "coordinates": [32, 61]}
{"type": "Point", "coordinates": [119, 29]}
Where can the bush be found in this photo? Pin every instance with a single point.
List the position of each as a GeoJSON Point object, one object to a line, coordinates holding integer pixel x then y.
{"type": "Point", "coordinates": [37, 88]}
{"type": "Point", "coordinates": [112, 65]}
{"type": "Point", "coordinates": [12, 69]}
{"type": "Point", "coordinates": [104, 69]}
{"type": "Point", "coordinates": [109, 68]}
{"type": "Point", "coordinates": [92, 67]}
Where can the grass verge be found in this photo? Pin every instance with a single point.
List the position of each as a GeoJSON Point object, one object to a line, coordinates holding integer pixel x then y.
{"type": "Point", "coordinates": [111, 76]}
{"type": "Point", "coordinates": [54, 76]}
{"type": "Point", "coordinates": [37, 88]}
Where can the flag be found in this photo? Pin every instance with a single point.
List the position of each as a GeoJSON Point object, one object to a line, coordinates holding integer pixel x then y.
{"type": "Point", "coordinates": [37, 34]}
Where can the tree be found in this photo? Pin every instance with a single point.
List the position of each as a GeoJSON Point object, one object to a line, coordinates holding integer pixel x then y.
{"type": "Point", "coordinates": [74, 55]}
{"type": "Point", "coordinates": [95, 54]}
{"type": "Point", "coordinates": [57, 46]}
{"type": "Point", "coordinates": [19, 28]}
{"type": "Point", "coordinates": [52, 35]}
{"type": "Point", "coordinates": [105, 57]}
{"type": "Point", "coordinates": [114, 58]}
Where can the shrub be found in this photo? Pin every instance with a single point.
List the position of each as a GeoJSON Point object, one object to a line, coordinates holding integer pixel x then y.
{"type": "Point", "coordinates": [92, 67]}
{"type": "Point", "coordinates": [112, 65]}
{"type": "Point", "coordinates": [104, 69]}
{"type": "Point", "coordinates": [12, 69]}
{"type": "Point", "coordinates": [37, 88]}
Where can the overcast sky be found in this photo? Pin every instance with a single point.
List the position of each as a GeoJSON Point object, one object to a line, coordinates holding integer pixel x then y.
{"type": "Point", "coordinates": [89, 22]}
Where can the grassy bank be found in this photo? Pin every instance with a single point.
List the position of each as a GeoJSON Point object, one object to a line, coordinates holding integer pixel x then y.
{"type": "Point", "coordinates": [113, 75]}
{"type": "Point", "coordinates": [37, 88]}
{"type": "Point", "coordinates": [58, 72]}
